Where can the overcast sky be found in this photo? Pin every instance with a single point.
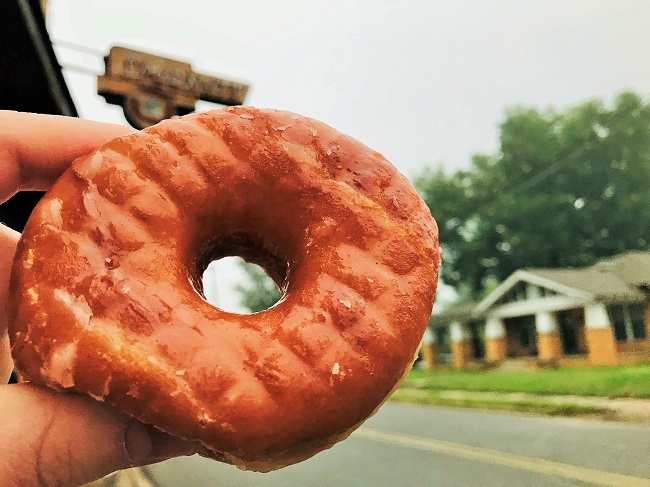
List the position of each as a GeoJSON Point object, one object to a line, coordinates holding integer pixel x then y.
{"type": "Point", "coordinates": [425, 83]}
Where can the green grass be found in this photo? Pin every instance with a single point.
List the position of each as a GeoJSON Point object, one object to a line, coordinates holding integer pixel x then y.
{"type": "Point", "coordinates": [623, 381]}
{"type": "Point", "coordinates": [418, 396]}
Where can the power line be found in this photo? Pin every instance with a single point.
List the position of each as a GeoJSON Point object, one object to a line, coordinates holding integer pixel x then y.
{"type": "Point", "coordinates": [80, 69]}
{"type": "Point", "coordinates": [78, 47]}
{"type": "Point", "coordinates": [533, 180]}
{"type": "Point", "coordinates": [547, 171]}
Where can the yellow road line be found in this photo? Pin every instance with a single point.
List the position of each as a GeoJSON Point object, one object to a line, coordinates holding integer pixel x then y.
{"type": "Point", "coordinates": [531, 464]}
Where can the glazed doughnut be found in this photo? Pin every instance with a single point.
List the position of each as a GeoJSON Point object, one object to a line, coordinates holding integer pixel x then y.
{"type": "Point", "coordinates": [106, 285]}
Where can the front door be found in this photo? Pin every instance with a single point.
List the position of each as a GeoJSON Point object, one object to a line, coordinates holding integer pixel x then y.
{"type": "Point", "coordinates": [570, 324]}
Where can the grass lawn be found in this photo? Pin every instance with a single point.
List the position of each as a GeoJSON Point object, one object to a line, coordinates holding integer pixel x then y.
{"type": "Point", "coordinates": [623, 381]}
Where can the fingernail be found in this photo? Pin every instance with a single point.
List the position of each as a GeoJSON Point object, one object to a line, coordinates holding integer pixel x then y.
{"type": "Point", "coordinates": [145, 444]}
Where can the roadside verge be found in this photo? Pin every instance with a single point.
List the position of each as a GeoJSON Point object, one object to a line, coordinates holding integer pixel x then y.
{"type": "Point", "coordinates": [620, 409]}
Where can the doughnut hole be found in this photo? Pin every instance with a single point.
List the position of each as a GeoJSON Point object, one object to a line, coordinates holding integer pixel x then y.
{"type": "Point", "coordinates": [240, 261]}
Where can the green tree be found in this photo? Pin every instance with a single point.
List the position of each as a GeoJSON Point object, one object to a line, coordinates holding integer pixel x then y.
{"type": "Point", "coordinates": [259, 292]}
{"type": "Point", "coordinates": [565, 189]}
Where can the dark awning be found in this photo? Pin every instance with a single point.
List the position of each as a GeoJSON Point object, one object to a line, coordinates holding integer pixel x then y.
{"type": "Point", "coordinates": [30, 81]}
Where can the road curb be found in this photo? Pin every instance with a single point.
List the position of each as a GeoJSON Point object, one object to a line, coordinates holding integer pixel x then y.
{"type": "Point", "coordinates": [619, 409]}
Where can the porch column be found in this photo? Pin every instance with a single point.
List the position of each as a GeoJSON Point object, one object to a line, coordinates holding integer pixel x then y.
{"type": "Point", "coordinates": [495, 340]}
{"type": "Point", "coordinates": [601, 344]}
{"type": "Point", "coordinates": [429, 349]}
{"type": "Point", "coordinates": [461, 344]}
{"type": "Point", "coordinates": [549, 345]}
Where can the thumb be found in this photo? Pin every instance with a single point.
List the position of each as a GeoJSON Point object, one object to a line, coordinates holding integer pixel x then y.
{"type": "Point", "coordinates": [53, 439]}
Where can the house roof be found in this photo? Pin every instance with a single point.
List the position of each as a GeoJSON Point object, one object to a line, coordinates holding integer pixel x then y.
{"type": "Point", "coordinates": [624, 277]}
{"type": "Point", "coordinates": [461, 313]}
{"type": "Point", "coordinates": [620, 277]}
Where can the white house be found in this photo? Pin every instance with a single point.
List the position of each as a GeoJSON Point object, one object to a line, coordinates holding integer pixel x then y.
{"type": "Point", "coordinates": [598, 315]}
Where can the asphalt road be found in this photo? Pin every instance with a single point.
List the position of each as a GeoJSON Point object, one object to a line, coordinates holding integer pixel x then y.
{"type": "Point", "coordinates": [432, 446]}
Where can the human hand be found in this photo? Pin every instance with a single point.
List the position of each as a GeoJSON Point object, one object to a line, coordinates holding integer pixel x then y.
{"type": "Point", "coordinates": [47, 438]}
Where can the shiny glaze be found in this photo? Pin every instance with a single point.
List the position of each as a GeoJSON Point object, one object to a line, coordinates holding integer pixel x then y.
{"type": "Point", "coordinates": [106, 277]}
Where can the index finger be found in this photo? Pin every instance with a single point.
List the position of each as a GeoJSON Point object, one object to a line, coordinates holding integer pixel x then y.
{"type": "Point", "coordinates": [35, 149]}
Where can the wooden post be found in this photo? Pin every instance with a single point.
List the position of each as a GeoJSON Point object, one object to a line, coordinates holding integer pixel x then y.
{"type": "Point", "coordinates": [495, 340]}
{"type": "Point", "coordinates": [601, 344]}
{"type": "Point", "coordinates": [461, 344]}
{"type": "Point", "coordinates": [549, 345]}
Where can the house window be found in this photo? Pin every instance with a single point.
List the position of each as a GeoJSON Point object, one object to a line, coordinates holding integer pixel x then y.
{"type": "Point", "coordinates": [545, 292]}
{"type": "Point", "coordinates": [443, 339]}
{"type": "Point", "coordinates": [627, 320]}
{"type": "Point", "coordinates": [522, 291]}
{"type": "Point", "coordinates": [517, 293]}
{"type": "Point", "coordinates": [477, 333]}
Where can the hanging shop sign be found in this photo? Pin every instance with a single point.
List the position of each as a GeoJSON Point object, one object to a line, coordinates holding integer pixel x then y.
{"type": "Point", "coordinates": [152, 88]}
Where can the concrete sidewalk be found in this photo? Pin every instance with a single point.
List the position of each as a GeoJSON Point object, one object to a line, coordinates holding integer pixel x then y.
{"type": "Point", "coordinates": [621, 409]}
